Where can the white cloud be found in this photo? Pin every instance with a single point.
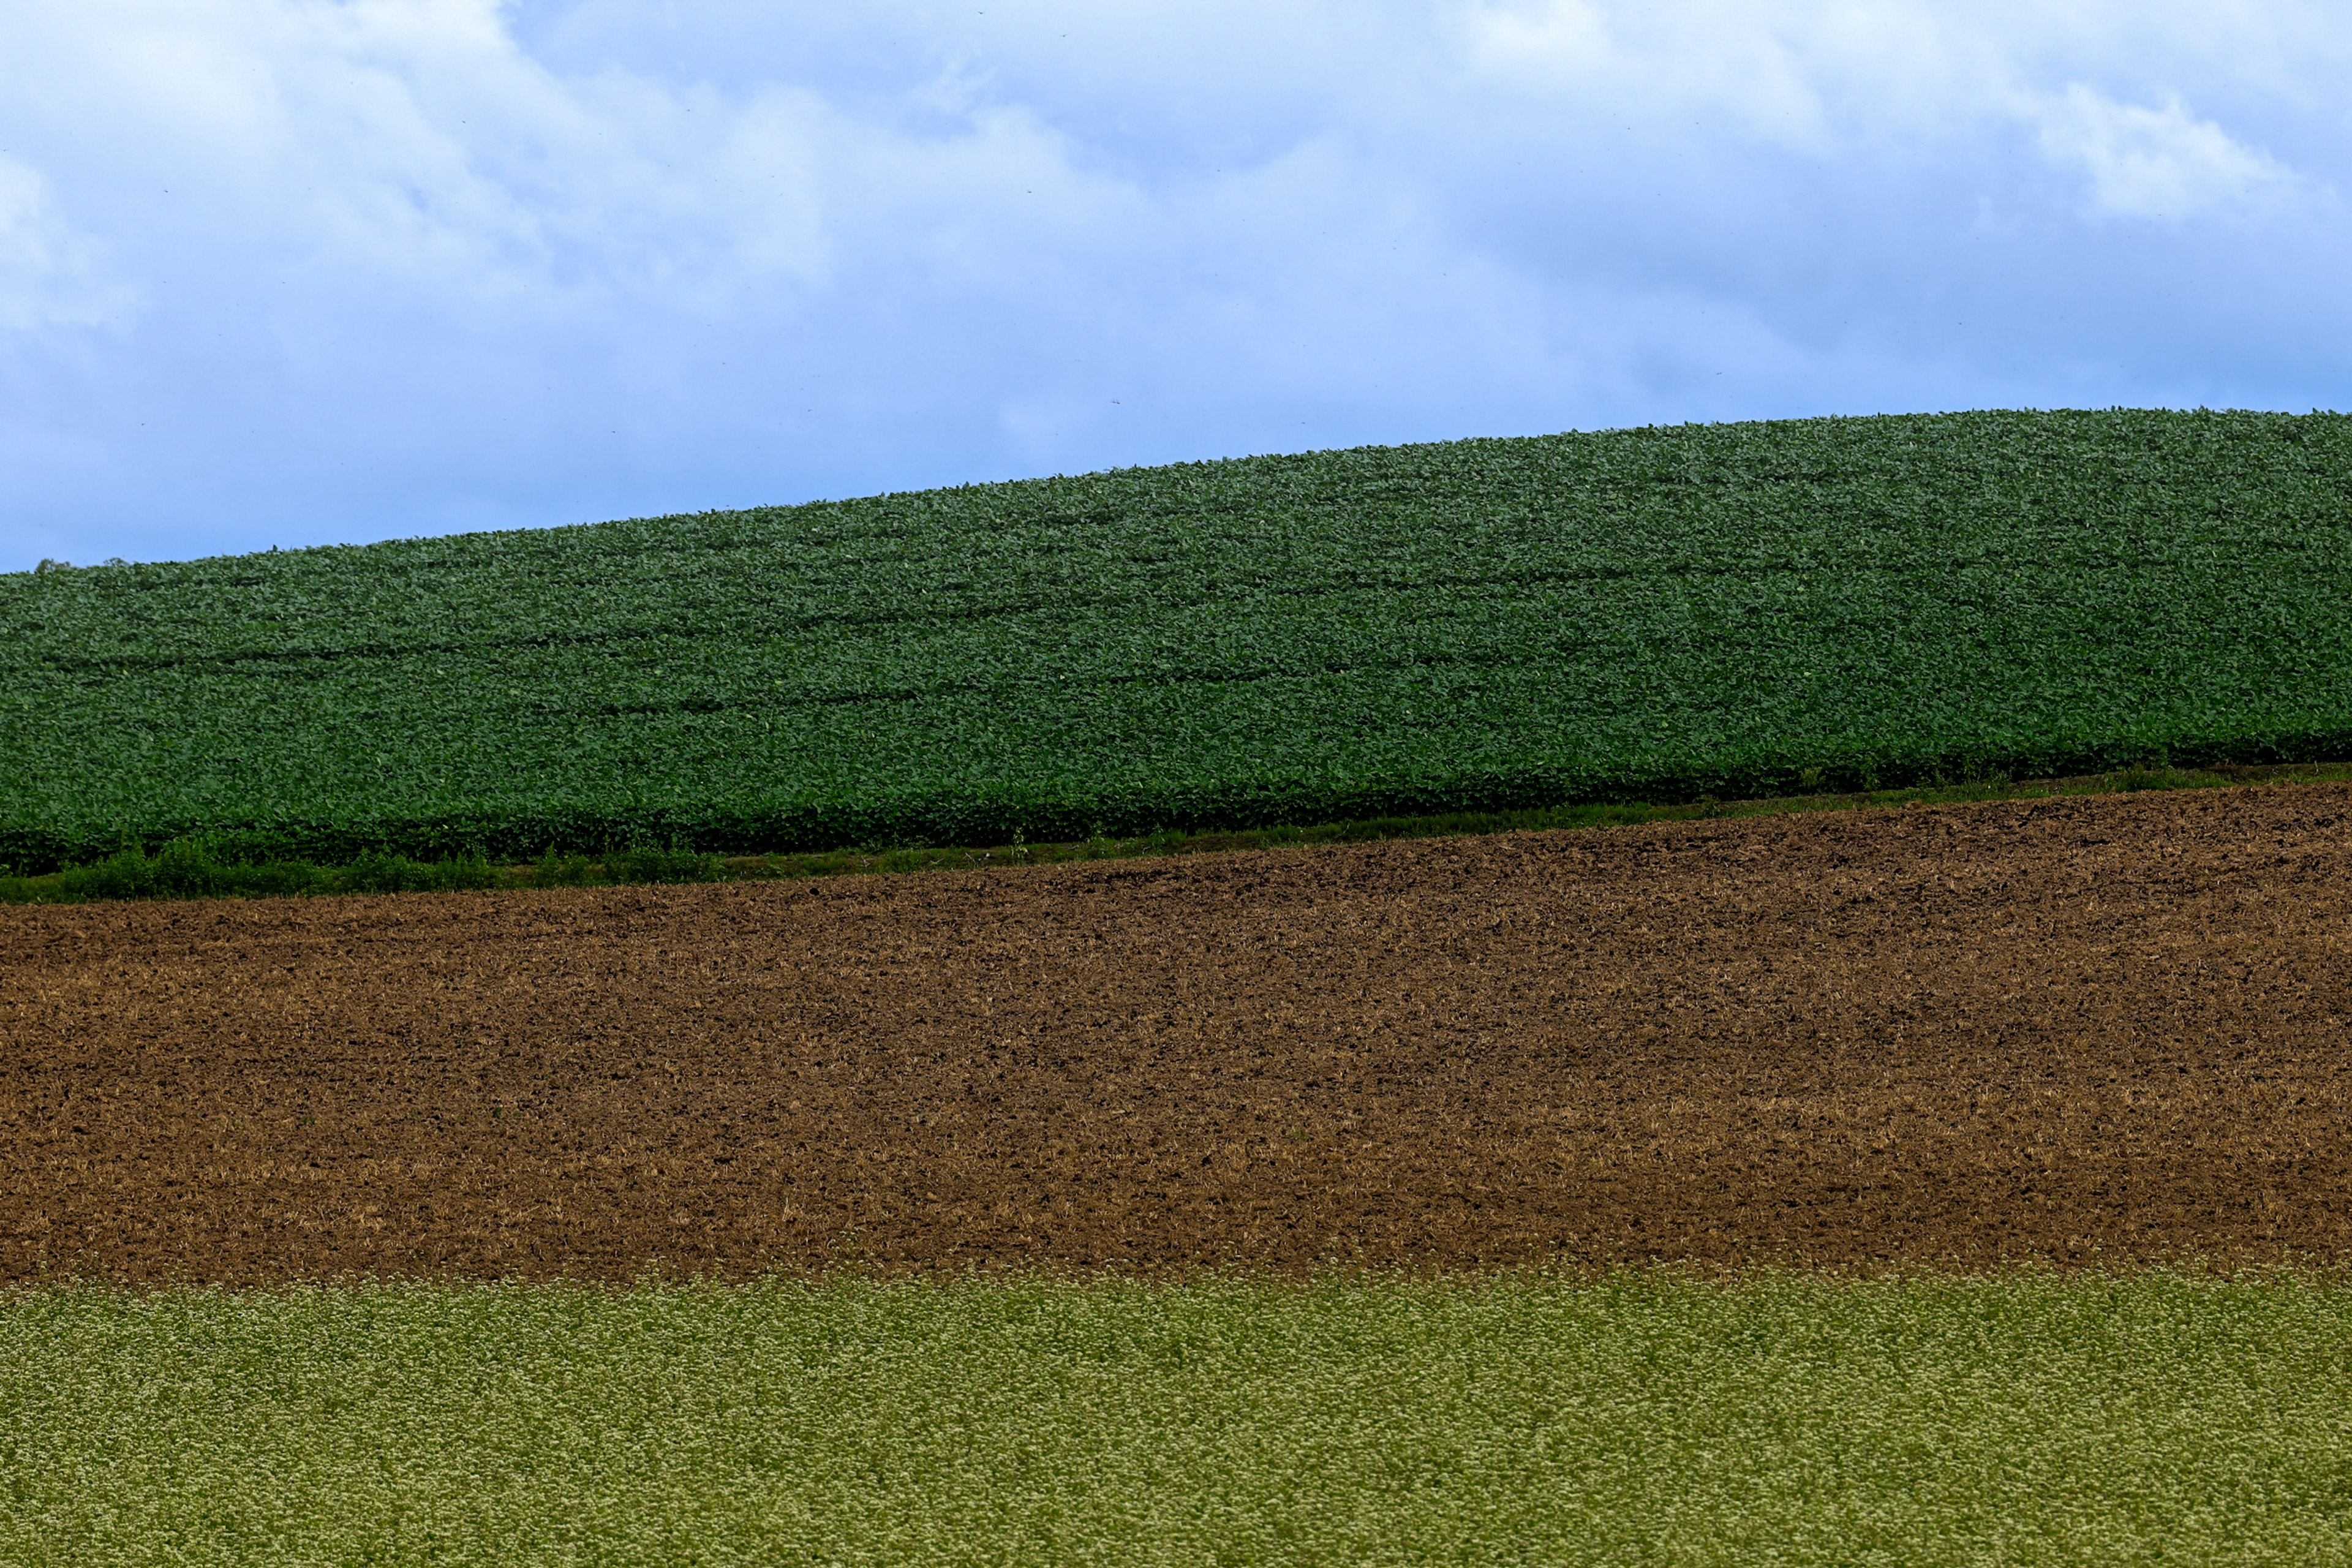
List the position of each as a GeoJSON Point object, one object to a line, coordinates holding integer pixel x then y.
{"type": "Point", "coordinates": [1872, 77]}
{"type": "Point", "coordinates": [414, 143]}
{"type": "Point", "coordinates": [1599, 59]}
{"type": "Point", "coordinates": [49, 275]}
{"type": "Point", "coordinates": [2153, 163]}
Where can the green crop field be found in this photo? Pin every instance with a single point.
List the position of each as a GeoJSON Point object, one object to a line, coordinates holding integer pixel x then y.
{"type": "Point", "coordinates": [1480, 626]}
{"type": "Point", "coordinates": [2155, 1417]}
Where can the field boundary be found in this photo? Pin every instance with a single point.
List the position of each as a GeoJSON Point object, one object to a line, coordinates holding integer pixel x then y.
{"type": "Point", "coordinates": [191, 869]}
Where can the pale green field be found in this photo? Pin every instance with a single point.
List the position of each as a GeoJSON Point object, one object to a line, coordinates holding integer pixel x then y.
{"type": "Point", "coordinates": [2155, 1417]}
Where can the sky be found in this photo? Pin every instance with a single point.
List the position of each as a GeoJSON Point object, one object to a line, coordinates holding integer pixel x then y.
{"type": "Point", "coordinates": [293, 272]}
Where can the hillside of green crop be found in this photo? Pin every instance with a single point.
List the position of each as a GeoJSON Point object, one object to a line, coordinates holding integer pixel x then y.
{"type": "Point", "coordinates": [1656, 613]}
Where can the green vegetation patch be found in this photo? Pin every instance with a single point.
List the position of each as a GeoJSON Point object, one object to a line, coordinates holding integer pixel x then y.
{"type": "Point", "coordinates": [191, 869]}
{"type": "Point", "coordinates": [1636, 1419]}
{"type": "Point", "coordinates": [1658, 614]}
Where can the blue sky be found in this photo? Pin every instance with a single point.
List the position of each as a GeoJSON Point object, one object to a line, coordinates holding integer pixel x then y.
{"type": "Point", "coordinates": [292, 272]}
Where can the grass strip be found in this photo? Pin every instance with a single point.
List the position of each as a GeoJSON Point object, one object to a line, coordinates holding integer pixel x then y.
{"type": "Point", "coordinates": [190, 868]}
{"type": "Point", "coordinates": [2023, 1418]}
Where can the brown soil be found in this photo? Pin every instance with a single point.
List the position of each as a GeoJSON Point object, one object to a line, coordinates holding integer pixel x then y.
{"type": "Point", "coordinates": [2108, 1027]}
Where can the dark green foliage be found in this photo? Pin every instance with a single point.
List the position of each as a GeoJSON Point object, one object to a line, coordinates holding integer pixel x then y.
{"type": "Point", "coordinates": [640, 863]}
{"type": "Point", "coordinates": [1476, 626]}
{"type": "Point", "coordinates": [132, 873]}
{"type": "Point", "coordinates": [192, 868]}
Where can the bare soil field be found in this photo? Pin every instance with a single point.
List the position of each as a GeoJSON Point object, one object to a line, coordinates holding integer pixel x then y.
{"type": "Point", "coordinates": [2098, 1028]}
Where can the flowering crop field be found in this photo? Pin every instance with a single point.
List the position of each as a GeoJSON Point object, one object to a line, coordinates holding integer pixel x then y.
{"type": "Point", "coordinates": [1657, 614]}
{"type": "Point", "coordinates": [1633, 1418]}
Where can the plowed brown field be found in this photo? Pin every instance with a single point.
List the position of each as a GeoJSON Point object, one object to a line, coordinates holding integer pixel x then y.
{"type": "Point", "coordinates": [2104, 1026]}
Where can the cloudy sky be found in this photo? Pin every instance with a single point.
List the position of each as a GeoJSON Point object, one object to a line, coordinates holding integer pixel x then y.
{"type": "Point", "coordinates": [296, 272]}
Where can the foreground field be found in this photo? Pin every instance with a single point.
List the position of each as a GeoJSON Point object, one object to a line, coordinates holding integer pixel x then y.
{"type": "Point", "coordinates": [2140, 1418]}
{"type": "Point", "coordinates": [1637, 615]}
{"type": "Point", "coordinates": [2092, 1030]}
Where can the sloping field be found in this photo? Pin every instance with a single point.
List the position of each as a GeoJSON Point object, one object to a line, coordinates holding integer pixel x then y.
{"type": "Point", "coordinates": [1746, 610]}
{"type": "Point", "coordinates": [2094, 1029]}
